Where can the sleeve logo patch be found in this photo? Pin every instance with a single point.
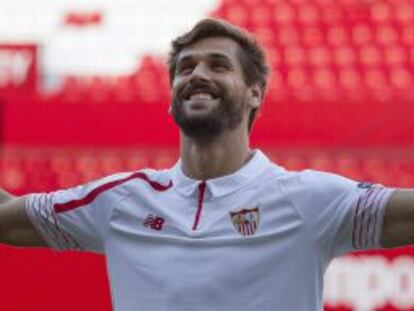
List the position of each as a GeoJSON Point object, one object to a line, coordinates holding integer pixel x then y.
{"type": "Point", "coordinates": [246, 221]}
{"type": "Point", "coordinates": [365, 185]}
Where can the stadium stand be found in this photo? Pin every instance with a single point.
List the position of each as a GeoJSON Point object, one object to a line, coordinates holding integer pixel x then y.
{"type": "Point", "coordinates": [318, 47]}
{"type": "Point", "coordinates": [24, 169]}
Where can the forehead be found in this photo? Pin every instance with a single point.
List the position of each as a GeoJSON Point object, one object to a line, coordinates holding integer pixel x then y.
{"type": "Point", "coordinates": [211, 46]}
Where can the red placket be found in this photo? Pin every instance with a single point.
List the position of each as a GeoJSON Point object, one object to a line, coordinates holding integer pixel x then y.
{"type": "Point", "coordinates": [201, 191]}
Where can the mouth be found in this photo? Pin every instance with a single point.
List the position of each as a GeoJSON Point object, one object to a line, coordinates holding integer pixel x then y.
{"type": "Point", "coordinates": [201, 94]}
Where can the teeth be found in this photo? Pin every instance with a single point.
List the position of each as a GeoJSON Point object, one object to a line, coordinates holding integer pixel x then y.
{"type": "Point", "coordinates": [201, 96]}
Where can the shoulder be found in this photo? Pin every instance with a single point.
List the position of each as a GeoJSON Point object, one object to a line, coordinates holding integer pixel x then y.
{"type": "Point", "coordinates": [121, 184]}
{"type": "Point", "coordinates": [312, 183]}
{"type": "Point", "coordinates": [143, 178]}
{"type": "Point", "coordinates": [158, 180]}
{"type": "Point", "coordinates": [317, 195]}
{"type": "Point", "coordinates": [106, 191]}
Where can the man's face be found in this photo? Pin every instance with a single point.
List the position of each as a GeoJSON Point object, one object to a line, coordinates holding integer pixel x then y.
{"type": "Point", "coordinates": [209, 90]}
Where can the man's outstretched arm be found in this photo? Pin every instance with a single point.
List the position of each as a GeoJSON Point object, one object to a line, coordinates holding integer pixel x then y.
{"type": "Point", "coordinates": [398, 229]}
{"type": "Point", "coordinates": [5, 196]}
{"type": "Point", "coordinates": [15, 226]}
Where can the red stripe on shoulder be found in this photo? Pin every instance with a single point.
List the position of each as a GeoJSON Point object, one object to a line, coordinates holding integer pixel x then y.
{"type": "Point", "coordinates": [91, 196]}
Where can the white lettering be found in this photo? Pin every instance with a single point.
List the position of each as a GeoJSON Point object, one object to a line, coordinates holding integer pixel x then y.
{"type": "Point", "coordinates": [369, 282]}
{"type": "Point", "coordinates": [14, 67]}
{"type": "Point", "coordinates": [401, 292]}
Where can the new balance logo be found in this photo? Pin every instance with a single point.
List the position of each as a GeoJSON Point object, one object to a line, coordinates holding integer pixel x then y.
{"type": "Point", "coordinates": [154, 222]}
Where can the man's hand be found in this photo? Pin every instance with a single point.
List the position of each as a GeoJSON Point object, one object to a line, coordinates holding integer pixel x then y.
{"type": "Point", "coordinates": [398, 229]}
{"type": "Point", "coordinates": [15, 226]}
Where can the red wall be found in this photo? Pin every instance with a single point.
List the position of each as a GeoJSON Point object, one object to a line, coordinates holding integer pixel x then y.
{"type": "Point", "coordinates": [113, 124]}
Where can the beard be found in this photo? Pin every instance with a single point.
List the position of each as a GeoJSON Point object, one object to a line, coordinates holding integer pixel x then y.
{"type": "Point", "coordinates": [227, 115]}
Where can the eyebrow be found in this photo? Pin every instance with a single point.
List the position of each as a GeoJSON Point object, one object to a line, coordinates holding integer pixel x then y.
{"type": "Point", "coordinates": [215, 56]}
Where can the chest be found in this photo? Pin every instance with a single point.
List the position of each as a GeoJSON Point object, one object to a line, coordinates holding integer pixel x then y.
{"type": "Point", "coordinates": [222, 272]}
{"type": "Point", "coordinates": [243, 215]}
{"type": "Point", "coordinates": [243, 243]}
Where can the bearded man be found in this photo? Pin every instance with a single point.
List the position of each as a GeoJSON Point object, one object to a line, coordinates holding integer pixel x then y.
{"type": "Point", "coordinates": [224, 228]}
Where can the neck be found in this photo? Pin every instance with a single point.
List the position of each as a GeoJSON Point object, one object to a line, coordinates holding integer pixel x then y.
{"type": "Point", "coordinates": [222, 156]}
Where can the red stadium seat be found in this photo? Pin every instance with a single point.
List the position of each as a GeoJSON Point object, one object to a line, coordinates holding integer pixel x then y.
{"type": "Point", "coordinates": [332, 14]}
{"type": "Point", "coordinates": [370, 56]}
{"type": "Point", "coordinates": [402, 79]}
{"type": "Point", "coordinates": [261, 16]}
{"type": "Point", "coordinates": [238, 15]}
{"type": "Point", "coordinates": [337, 36]}
{"type": "Point", "coordinates": [362, 34]}
{"type": "Point", "coordinates": [381, 11]}
{"type": "Point", "coordinates": [407, 35]}
{"type": "Point", "coordinates": [295, 56]}
{"type": "Point", "coordinates": [387, 34]}
{"type": "Point", "coordinates": [404, 13]}
{"type": "Point", "coordinates": [320, 56]}
{"type": "Point", "coordinates": [324, 79]}
{"type": "Point", "coordinates": [344, 56]}
{"type": "Point", "coordinates": [395, 55]}
{"type": "Point", "coordinates": [308, 14]}
{"type": "Point", "coordinates": [313, 36]}
{"type": "Point", "coordinates": [284, 13]}
{"type": "Point", "coordinates": [287, 35]}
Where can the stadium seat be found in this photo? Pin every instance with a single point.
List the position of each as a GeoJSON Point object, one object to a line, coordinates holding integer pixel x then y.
{"type": "Point", "coordinates": [284, 13]}
{"type": "Point", "coordinates": [344, 56]}
{"type": "Point", "coordinates": [338, 36]}
{"type": "Point", "coordinates": [381, 11]}
{"type": "Point", "coordinates": [387, 34]}
{"type": "Point", "coordinates": [402, 79]}
{"type": "Point", "coordinates": [324, 79]}
{"type": "Point", "coordinates": [362, 34]}
{"type": "Point", "coordinates": [370, 56]}
{"type": "Point", "coordinates": [320, 56]}
{"type": "Point", "coordinates": [349, 78]}
{"type": "Point", "coordinates": [287, 36]}
{"type": "Point", "coordinates": [404, 13]}
{"type": "Point", "coordinates": [295, 56]}
{"type": "Point", "coordinates": [395, 55]}
{"type": "Point", "coordinates": [308, 14]}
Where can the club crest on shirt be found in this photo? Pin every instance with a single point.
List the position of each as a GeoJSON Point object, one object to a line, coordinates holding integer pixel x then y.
{"type": "Point", "coordinates": [246, 221]}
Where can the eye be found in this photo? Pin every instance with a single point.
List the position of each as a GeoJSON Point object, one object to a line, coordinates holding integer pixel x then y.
{"type": "Point", "coordinates": [220, 66]}
{"type": "Point", "coordinates": [185, 68]}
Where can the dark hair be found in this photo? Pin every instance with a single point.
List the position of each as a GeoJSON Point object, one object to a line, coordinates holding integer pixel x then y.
{"type": "Point", "coordinates": [251, 56]}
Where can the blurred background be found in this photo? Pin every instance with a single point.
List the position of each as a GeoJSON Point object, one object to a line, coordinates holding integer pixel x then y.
{"type": "Point", "coordinates": [84, 92]}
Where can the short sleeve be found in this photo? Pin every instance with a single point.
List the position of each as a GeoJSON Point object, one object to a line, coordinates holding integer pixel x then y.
{"type": "Point", "coordinates": [343, 215]}
{"type": "Point", "coordinates": [75, 218]}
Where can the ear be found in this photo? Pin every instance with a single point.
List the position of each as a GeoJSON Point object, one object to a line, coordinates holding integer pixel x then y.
{"type": "Point", "coordinates": [256, 95]}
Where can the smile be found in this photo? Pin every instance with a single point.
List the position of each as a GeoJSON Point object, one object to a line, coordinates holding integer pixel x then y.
{"type": "Point", "coordinates": [203, 93]}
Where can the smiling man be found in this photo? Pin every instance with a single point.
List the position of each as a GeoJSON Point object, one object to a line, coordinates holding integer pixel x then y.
{"type": "Point", "coordinates": [205, 107]}
{"type": "Point", "coordinates": [225, 228]}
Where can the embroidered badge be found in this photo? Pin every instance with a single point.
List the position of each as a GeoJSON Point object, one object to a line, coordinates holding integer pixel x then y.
{"type": "Point", "coordinates": [154, 222]}
{"type": "Point", "coordinates": [365, 185]}
{"type": "Point", "coordinates": [246, 221]}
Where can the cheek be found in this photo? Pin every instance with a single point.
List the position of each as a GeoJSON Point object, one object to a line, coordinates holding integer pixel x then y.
{"type": "Point", "coordinates": [237, 90]}
{"type": "Point", "coordinates": [177, 86]}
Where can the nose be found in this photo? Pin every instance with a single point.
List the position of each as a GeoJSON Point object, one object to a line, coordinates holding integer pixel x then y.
{"type": "Point", "coordinates": [200, 72]}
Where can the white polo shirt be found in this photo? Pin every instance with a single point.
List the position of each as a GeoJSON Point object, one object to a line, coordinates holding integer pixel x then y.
{"type": "Point", "coordinates": [259, 239]}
